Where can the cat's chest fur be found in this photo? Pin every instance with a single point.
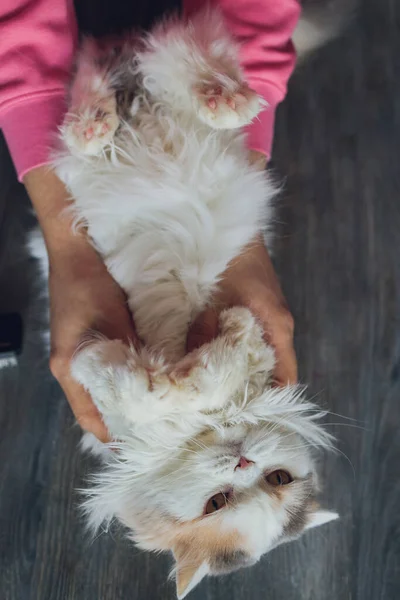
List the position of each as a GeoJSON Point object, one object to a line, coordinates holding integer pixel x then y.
{"type": "Point", "coordinates": [164, 183]}
{"type": "Point", "coordinates": [168, 206]}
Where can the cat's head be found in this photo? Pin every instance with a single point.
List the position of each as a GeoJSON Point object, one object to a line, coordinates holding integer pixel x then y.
{"type": "Point", "coordinates": [227, 496]}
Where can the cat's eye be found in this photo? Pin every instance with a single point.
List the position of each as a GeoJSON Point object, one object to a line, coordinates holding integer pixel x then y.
{"type": "Point", "coordinates": [216, 503]}
{"type": "Point", "coordinates": [279, 477]}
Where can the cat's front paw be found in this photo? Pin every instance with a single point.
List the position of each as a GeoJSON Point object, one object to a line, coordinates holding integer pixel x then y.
{"type": "Point", "coordinates": [90, 132]}
{"type": "Point", "coordinates": [240, 331]}
{"type": "Point", "coordinates": [101, 367]}
{"type": "Point", "coordinates": [222, 108]}
{"type": "Point", "coordinates": [123, 384]}
{"type": "Point", "coordinates": [238, 324]}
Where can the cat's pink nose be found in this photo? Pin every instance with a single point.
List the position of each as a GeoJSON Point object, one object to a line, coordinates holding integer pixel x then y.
{"type": "Point", "coordinates": [244, 463]}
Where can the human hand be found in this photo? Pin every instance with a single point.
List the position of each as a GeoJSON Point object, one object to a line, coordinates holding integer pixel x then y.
{"type": "Point", "coordinates": [84, 298]}
{"type": "Point", "coordinates": [250, 281]}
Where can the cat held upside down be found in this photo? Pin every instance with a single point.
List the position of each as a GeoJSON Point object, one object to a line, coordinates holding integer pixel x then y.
{"type": "Point", "coordinates": [211, 462]}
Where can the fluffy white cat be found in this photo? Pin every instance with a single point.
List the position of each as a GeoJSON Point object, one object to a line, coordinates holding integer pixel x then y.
{"type": "Point", "coordinates": [212, 462]}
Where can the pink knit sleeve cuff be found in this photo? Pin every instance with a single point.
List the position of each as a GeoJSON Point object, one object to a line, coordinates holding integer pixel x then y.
{"type": "Point", "coordinates": [30, 144]}
{"type": "Point", "coordinates": [260, 133]}
{"type": "Point", "coordinates": [42, 114]}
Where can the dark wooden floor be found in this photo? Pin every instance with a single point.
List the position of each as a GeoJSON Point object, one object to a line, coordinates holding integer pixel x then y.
{"type": "Point", "coordinates": [338, 254]}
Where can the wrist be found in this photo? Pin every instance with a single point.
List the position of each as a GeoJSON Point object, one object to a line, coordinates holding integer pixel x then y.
{"type": "Point", "coordinates": [64, 242]}
{"type": "Point", "coordinates": [250, 255]}
{"type": "Point", "coordinates": [258, 159]}
{"type": "Point", "coordinates": [50, 199]}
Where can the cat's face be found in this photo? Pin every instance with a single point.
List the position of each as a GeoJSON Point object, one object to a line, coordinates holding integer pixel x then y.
{"type": "Point", "coordinates": [232, 495]}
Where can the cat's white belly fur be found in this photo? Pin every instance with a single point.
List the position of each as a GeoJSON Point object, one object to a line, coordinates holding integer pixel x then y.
{"type": "Point", "coordinates": [169, 216]}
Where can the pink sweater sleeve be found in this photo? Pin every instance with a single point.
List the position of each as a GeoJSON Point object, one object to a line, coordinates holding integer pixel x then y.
{"type": "Point", "coordinates": [37, 42]}
{"type": "Point", "coordinates": [264, 29]}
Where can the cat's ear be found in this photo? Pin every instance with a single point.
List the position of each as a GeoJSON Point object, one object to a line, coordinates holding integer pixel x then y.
{"type": "Point", "coordinates": [188, 576]}
{"type": "Point", "coordinates": [320, 517]}
{"type": "Point", "coordinates": [189, 570]}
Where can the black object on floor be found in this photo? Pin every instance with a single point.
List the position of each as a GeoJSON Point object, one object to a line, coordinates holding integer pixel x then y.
{"type": "Point", "coordinates": [10, 335]}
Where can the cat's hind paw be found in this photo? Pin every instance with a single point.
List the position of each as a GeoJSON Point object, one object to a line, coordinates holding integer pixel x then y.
{"type": "Point", "coordinates": [221, 108]}
{"type": "Point", "coordinates": [90, 132]}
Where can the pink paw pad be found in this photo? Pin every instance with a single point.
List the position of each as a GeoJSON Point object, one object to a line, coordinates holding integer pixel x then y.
{"type": "Point", "coordinates": [227, 107]}
{"type": "Point", "coordinates": [91, 133]}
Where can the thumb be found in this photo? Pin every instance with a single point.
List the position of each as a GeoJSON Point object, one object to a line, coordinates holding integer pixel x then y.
{"type": "Point", "coordinates": [203, 329]}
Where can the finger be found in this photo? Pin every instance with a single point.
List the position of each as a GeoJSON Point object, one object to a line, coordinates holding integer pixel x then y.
{"type": "Point", "coordinates": [278, 332]}
{"type": "Point", "coordinates": [285, 372]}
{"type": "Point", "coordinates": [203, 329]}
{"type": "Point", "coordinates": [120, 326]}
{"type": "Point", "coordinates": [86, 413]}
{"type": "Point", "coordinates": [129, 333]}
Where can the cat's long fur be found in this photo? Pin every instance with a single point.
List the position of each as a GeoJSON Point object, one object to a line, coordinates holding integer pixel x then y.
{"type": "Point", "coordinates": [153, 153]}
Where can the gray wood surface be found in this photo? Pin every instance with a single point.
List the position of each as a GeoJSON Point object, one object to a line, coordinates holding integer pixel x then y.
{"type": "Point", "coordinates": [337, 151]}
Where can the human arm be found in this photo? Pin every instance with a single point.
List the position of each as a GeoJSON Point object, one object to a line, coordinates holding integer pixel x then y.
{"type": "Point", "coordinates": [83, 296]}
{"type": "Point", "coordinates": [250, 281]}
{"type": "Point", "coordinates": [37, 41]}
{"type": "Point", "coordinates": [263, 29]}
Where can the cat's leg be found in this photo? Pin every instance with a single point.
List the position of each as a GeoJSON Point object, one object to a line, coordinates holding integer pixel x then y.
{"type": "Point", "coordinates": [240, 330]}
{"type": "Point", "coordinates": [131, 388]}
{"type": "Point", "coordinates": [127, 387]}
{"type": "Point", "coordinates": [222, 368]}
{"type": "Point", "coordinates": [92, 119]}
{"type": "Point", "coordinates": [194, 67]}
{"type": "Point", "coordinates": [226, 106]}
